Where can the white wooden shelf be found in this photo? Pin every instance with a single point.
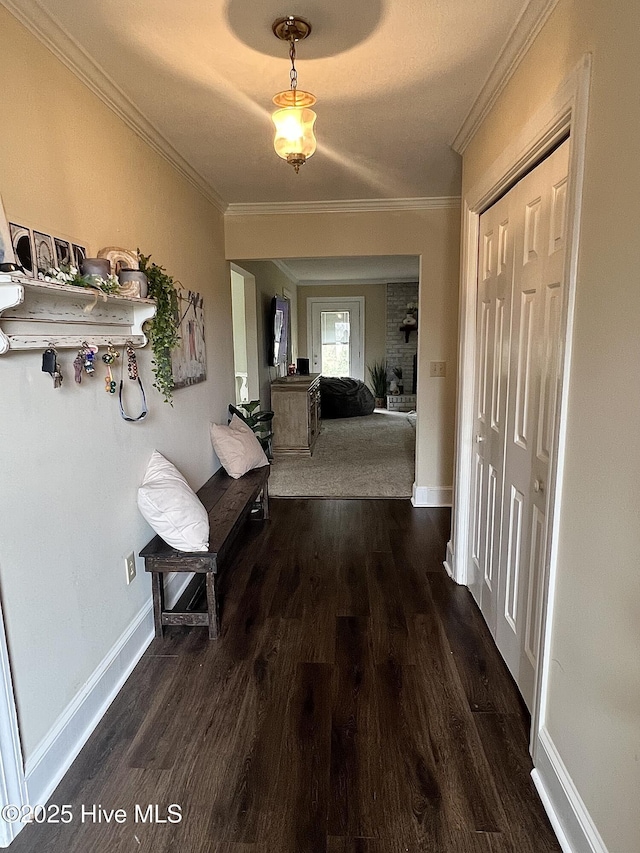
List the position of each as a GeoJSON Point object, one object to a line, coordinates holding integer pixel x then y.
{"type": "Point", "coordinates": [36, 314]}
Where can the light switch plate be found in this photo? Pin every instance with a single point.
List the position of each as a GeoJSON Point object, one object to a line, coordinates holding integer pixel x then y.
{"type": "Point", "coordinates": [438, 368]}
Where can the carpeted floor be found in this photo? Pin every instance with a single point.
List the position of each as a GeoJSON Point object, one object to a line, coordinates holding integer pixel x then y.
{"type": "Point", "coordinates": [367, 457]}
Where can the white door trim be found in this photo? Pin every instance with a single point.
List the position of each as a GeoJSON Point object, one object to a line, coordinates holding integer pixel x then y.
{"type": "Point", "coordinates": [13, 786]}
{"type": "Point", "coordinates": [251, 323]}
{"type": "Point", "coordinates": [565, 112]}
{"type": "Point", "coordinates": [312, 300]}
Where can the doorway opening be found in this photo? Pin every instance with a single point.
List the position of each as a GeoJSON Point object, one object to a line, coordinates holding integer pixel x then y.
{"type": "Point", "coordinates": [350, 310]}
{"type": "Point", "coordinates": [245, 335]}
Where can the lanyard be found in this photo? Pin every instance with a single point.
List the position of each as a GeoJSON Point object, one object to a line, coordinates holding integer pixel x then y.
{"type": "Point", "coordinates": [132, 369]}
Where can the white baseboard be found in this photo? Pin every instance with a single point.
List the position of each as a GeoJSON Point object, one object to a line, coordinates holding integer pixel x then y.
{"type": "Point", "coordinates": [568, 814]}
{"type": "Point", "coordinates": [449, 562]}
{"type": "Point", "coordinates": [431, 496]}
{"type": "Point", "coordinates": [57, 751]}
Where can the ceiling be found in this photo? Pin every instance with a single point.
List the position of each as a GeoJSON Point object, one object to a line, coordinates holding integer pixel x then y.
{"type": "Point", "coordinates": [395, 81]}
{"type": "Point", "coordinates": [380, 269]}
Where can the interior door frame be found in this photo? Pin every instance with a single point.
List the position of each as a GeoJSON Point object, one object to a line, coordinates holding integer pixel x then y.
{"type": "Point", "coordinates": [13, 786]}
{"type": "Point", "coordinates": [330, 300]}
{"type": "Point", "coordinates": [564, 114]}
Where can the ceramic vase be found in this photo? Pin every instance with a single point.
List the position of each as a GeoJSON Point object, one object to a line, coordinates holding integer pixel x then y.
{"type": "Point", "coordinates": [133, 283]}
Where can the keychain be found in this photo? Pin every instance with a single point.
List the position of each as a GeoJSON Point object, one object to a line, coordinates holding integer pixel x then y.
{"type": "Point", "coordinates": [109, 382]}
{"type": "Point", "coordinates": [132, 364]}
{"type": "Point", "coordinates": [111, 354]}
{"type": "Point", "coordinates": [132, 371]}
{"type": "Point", "coordinates": [110, 385]}
{"type": "Point", "coordinates": [89, 354]}
{"type": "Point", "coordinates": [84, 361]}
{"type": "Point", "coordinates": [50, 366]}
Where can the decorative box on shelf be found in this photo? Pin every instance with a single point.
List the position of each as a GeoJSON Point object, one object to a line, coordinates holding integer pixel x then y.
{"type": "Point", "coordinates": [36, 314]}
{"type": "Point", "coordinates": [401, 402]}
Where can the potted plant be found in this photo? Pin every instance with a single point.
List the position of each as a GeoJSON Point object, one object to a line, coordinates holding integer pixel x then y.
{"type": "Point", "coordinates": [397, 372]}
{"type": "Point", "coordinates": [378, 377]}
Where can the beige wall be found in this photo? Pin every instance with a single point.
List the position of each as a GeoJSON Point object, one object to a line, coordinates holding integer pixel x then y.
{"type": "Point", "coordinates": [432, 234]}
{"type": "Point", "coordinates": [270, 281]}
{"type": "Point", "coordinates": [594, 689]}
{"type": "Point", "coordinates": [375, 316]}
{"type": "Point", "coordinates": [70, 465]}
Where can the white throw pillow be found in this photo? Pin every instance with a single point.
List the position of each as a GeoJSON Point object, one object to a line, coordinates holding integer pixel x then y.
{"type": "Point", "coordinates": [171, 506]}
{"type": "Point", "coordinates": [237, 447]}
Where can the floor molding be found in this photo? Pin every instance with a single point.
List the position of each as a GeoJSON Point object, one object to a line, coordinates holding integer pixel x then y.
{"type": "Point", "coordinates": [567, 812]}
{"type": "Point", "coordinates": [431, 496]}
{"type": "Point", "coordinates": [58, 750]}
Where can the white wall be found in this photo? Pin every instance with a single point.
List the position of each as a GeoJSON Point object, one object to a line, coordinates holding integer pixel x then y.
{"type": "Point", "coordinates": [70, 465]}
{"type": "Point", "coordinates": [593, 716]}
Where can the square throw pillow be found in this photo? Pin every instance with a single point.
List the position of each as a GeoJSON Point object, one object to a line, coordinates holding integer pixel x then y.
{"type": "Point", "coordinates": [237, 448]}
{"type": "Point", "coordinates": [171, 506]}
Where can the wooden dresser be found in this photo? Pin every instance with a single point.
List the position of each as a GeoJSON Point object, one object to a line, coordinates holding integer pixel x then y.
{"type": "Point", "coordinates": [295, 401]}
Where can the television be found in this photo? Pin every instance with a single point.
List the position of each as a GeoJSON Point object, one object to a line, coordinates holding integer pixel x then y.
{"type": "Point", "coordinates": [278, 333]}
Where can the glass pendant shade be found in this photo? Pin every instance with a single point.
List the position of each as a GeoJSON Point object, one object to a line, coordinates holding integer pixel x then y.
{"type": "Point", "coordinates": [294, 139]}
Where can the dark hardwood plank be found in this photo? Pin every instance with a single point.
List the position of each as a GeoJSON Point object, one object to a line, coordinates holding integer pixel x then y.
{"type": "Point", "coordinates": [444, 724]}
{"type": "Point", "coordinates": [355, 766]}
{"type": "Point", "coordinates": [504, 739]}
{"type": "Point", "coordinates": [389, 632]}
{"type": "Point", "coordinates": [486, 681]}
{"type": "Point", "coordinates": [303, 771]}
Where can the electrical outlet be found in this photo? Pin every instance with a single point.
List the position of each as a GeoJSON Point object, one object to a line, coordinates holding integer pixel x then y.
{"type": "Point", "coordinates": [438, 368]}
{"type": "Point", "coordinates": [130, 567]}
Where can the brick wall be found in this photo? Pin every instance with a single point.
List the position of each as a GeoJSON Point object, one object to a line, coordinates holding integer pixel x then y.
{"type": "Point", "coordinates": [399, 353]}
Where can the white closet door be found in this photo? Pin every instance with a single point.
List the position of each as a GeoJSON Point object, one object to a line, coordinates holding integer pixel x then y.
{"type": "Point", "coordinates": [493, 332]}
{"type": "Point", "coordinates": [532, 399]}
{"type": "Point", "coordinates": [521, 269]}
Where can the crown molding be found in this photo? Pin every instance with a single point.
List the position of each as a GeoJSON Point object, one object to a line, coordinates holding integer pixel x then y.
{"type": "Point", "coordinates": [354, 282]}
{"type": "Point", "coordinates": [286, 270]}
{"type": "Point", "coordinates": [533, 18]}
{"type": "Point", "coordinates": [44, 26]}
{"type": "Point", "coordinates": [358, 205]}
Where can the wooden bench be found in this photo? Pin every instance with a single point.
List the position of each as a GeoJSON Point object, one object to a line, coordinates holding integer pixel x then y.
{"type": "Point", "coordinates": [229, 502]}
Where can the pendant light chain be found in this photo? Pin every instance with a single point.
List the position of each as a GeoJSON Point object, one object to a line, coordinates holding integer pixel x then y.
{"type": "Point", "coordinates": [293, 74]}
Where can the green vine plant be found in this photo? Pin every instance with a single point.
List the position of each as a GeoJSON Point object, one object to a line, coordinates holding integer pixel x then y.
{"type": "Point", "coordinates": [163, 328]}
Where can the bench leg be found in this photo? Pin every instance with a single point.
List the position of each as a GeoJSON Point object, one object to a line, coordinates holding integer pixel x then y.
{"type": "Point", "coordinates": [212, 606]}
{"type": "Point", "coordinates": [265, 501]}
{"type": "Point", "coordinates": [157, 586]}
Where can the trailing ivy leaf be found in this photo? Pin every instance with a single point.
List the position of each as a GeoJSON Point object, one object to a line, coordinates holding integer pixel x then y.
{"type": "Point", "coordinates": [163, 328]}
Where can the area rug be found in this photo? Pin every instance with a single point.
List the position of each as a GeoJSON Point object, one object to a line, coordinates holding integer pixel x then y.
{"type": "Point", "coordinates": [366, 457]}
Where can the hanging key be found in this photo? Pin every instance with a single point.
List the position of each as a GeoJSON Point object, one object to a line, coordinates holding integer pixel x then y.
{"type": "Point", "coordinates": [50, 366]}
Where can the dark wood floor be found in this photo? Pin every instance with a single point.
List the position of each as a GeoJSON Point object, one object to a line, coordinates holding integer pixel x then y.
{"type": "Point", "coordinates": [354, 704]}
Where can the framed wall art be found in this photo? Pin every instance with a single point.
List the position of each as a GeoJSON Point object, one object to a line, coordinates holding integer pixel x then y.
{"type": "Point", "coordinates": [63, 252]}
{"type": "Point", "coordinates": [45, 257]}
{"type": "Point", "coordinates": [22, 246]}
{"type": "Point", "coordinates": [189, 359]}
{"type": "Point", "coordinates": [79, 254]}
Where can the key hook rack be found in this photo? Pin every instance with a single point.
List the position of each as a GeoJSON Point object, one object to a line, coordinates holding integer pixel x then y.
{"type": "Point", "coordinates": [37, 314]}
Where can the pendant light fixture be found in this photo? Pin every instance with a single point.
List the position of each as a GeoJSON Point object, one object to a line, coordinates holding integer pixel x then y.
{"type": "Point", "coordinates": [294, 140]}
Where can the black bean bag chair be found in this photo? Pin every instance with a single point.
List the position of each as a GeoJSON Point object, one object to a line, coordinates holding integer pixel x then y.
{"type": "Point", "coordinates": [345, 398]}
